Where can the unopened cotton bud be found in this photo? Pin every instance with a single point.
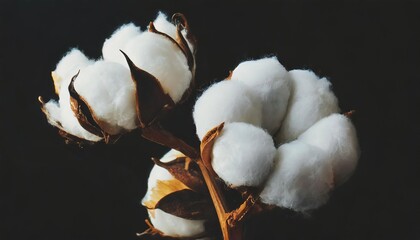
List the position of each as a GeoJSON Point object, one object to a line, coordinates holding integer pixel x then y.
{"type": "Point", "coordinates": [269, 80]}
{"type": "Point", "coordinates": [67, 67]}
{"type": "Point", "coordinates": [168, 224]}
{"type": "Point", "coordinates": [337, 136]}
{"type": "Point", "coordinates": [226, 101]}
{"type": "Point", "coordinates": [174, 226]}
{"type": "Point", "coordinates": [301, 178]}
{"type": "Point", "coordinates": [108, 89]}
{"type": "Point", "coordinates": [118, 41]}
{"type": "Point", "coordinates": [311, 99]}
{"type": "Point", "coordinates": [159, 56]}
{"type": "Point", "coordinates": [243, 154]}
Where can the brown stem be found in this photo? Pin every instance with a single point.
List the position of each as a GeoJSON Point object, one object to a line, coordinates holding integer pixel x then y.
{"type": "Point", "coordinates": [157, 134]}
{"type": "Point", "coordinates": [229, 232]}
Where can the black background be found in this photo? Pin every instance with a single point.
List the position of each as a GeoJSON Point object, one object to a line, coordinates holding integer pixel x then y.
{"type": "Point", "coordinates": [368, 49]}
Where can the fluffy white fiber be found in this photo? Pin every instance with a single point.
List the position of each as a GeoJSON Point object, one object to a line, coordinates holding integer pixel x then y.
{"type": "Point", "coordinates": [68, 66]}
{"type": "Point", "coordinates": [270, 81]}
{"type": "Point", "coordinates": [61, 111]}
{"type": "Point", "coordinates": [311, 99]}
{"type": "Point", "coordinates": [108, 89]}
{"type": "Point", "coordinates": [118, 41]}
{"type": "Point", "coordinates": [243, 155]}
{"type": "Point", "coordinates": [301, 179]}
{"type": "Point", "coordinates": [226, 101]}
{"type": "Point", "coordinates": [336, 135]}
{"type": "Point", "coordinates": [167, 223]}
{"type": "Point", "coordinates": [160, 57]}
{"type": "Point", "coordinates": [175, 226]}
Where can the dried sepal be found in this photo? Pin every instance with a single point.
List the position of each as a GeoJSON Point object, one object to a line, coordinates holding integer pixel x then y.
{"type": "Point", "coordinates": [180, 19]}
{"type": "Point", "coordinates": [187, 204]}
{"type": "Point", "coordinates": [152, 101]}
{"type": "Point", "coordinates": [187, 171]}
{"type": "Point", "coordinates": [162, 189]}
{"type": "Point", "coordinates": [206, 146]}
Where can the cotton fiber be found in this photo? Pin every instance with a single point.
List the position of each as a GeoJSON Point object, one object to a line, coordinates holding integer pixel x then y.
{"type": "Point", "coordinates": [336, 135]}
{"type": "Point", "coordinates": [226, 101]}
{"type": "Point", "coordinates": [269, 80]}
{"type": "Point", "coordinates": [301, 179]}
{"type": "Point", "coordinates": [243, 155]}
{"type": "Point", "coordinates": [118, 41]}
{"type": "Point", "coordinates": [311, 100]}
{"type": "Point", "coordinates": [110, 92]}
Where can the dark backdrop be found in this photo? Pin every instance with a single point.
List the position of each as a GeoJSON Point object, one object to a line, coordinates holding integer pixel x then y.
{"type": "Point", "coordinates": [368, 49]}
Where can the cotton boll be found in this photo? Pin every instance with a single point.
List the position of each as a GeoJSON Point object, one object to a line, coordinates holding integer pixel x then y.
{"type": "Point", "coordinates": [337, 136]}
{"type": "Point", "coordinates": [226, 101]}
{"type": "Point", "coordinates": [311, 100]}
{"type": "Point", "coordinates": [108, 89]}
{"type": "Point", "coordinates": [270, 81]}
{"type": "Point", "coordinates": [175, 226]}
{"type": "Point", "coordinates": [301, 179]}
{"type": "Point", "coordinates": [160, 57]}
{"type": "Point", "coordinates": [117, 41]}
{"type": "Point", "coordinates": [68, 66]}
{"type": "Point", "coordinates": [243, 155]}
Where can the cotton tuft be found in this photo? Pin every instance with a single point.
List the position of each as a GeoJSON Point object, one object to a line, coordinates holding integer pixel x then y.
{"type": "Point", "coordinates": [226, 101]}
{"type": "Point", "coordinates": [110, 92]}
{"type": "Point", "coordinates": [68, 66]}
{"type": "Point", "coordinates": [243, 155]}
{"type": "Point", "coordinates": [269, 80]}
{"type": "Point", "coordinates": [174, 226]}
{"type": "Point", "coordinates": [117, 41]}
{"type": "Point", "coordinates": [301, 178]}
{"type": "Point", "coordinates": [311, 99]}
{"type": "Point", "coordinates": [337, 136]}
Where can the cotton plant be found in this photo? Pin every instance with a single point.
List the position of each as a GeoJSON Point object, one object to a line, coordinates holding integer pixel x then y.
{"type": "Point", "coordinates": [269, 137]}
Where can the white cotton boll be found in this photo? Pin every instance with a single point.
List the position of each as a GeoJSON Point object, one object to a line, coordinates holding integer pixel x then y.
{"type": "Point", "coordinates": [110, 92]}
{"type": "Point", "coordinates": [160, 57]}
{"type": "Point", "coordinates": [175, 226]}
{"type": "Point", "coordinates": [68, 66]}
{"type": "Point", "coordinates": [117, 41]}
{"type": "Point", "coordinates": [226, 101]}
{"type": "Point", "coordinates": [243, 155]}
{"type": "Point", "coordinates": [301, 179]}
{"type": "Point", "coordinates": [54, 112]}
{"type": "Point", "coordinates": [270, 81]}
{"type": "Point", "coordinates": [311, 99]}
{"type": "Point", "coordinates": [337, 136]}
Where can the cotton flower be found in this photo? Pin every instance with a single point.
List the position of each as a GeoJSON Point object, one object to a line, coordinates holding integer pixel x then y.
{"type": "Point", "coordinates": [301, 179]}
{"type": "Point", "coordinates": [335, 135]}
{"type": "Point", "coordinates": [226, 101]}
{"type": "Point", "coordinates": [311, 100]}
{"type": "Point", "coordinates": [243, 155]}
{"type": "Point", "coordinates": [269, 80]}
{"type": "Point", "coordinates": [117, 41]}
{"type": "Point", "coordinates": [160, 184]}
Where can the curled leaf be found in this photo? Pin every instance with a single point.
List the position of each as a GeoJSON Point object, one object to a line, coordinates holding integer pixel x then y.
{"type": "Point", "coordinates": [187, 204]}
{"type": "Point", "coordinates": [187, 171]}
